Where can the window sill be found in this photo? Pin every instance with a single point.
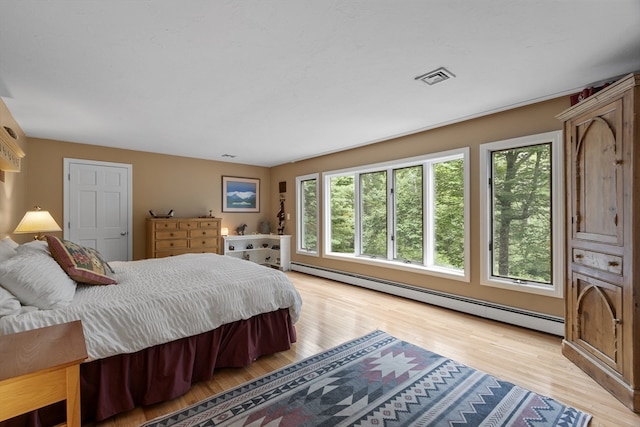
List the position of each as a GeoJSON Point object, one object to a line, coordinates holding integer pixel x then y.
{"type": "Point", "coordinates": [530, 288]}
{"type": "Point", "coordinates": [443, 272]}
{"type": "Point", "coordinates": [307, 253]}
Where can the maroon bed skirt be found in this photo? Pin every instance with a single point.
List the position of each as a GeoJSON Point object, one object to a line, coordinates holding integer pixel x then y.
{"type": "Point", "coordinates": [120, 383]}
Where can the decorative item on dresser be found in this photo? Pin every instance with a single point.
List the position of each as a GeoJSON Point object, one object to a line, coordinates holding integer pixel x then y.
{"type": "Point", "coordinates": [602, 287]}
{"type": "Point", "coordinates": [175, 236]}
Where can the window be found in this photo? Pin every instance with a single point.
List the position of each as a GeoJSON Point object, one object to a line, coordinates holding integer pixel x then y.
{"type": "Point", "coordinates": [409, 214]}
{"type": "Point", "coordinates": [307, 218]}
{"type": "Point", "coordinates": [373, 225]}
{"type": "Point", "coordinates": [522, 214]}
{"type": "Point", "coordinates": [342, 214]}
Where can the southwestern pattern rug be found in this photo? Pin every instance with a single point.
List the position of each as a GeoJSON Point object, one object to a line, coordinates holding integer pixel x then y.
{"type": "Point", "coordinates": [376, 380]}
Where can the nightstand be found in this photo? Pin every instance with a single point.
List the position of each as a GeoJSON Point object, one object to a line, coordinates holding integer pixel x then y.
{"type": "Point", "coordinates": [41, 367]}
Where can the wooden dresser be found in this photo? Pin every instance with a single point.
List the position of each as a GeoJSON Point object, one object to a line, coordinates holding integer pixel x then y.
{"type": "Point", "coordinates": [602, 291]}
{"type": "Point", "coordinates": [175, 236]}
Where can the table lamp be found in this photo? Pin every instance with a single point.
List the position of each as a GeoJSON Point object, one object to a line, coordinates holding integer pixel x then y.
{"type": "Point", "coordinates": [37, 221]}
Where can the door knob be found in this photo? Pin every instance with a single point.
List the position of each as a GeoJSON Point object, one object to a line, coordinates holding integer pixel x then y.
{"type": "Point", "coordinates": [124, 233]}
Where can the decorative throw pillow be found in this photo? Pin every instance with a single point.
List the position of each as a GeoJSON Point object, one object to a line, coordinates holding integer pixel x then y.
{"type": "Point", "coordinates": [82, 264]}
{"type": "Point", "coordinates": [36, 279]}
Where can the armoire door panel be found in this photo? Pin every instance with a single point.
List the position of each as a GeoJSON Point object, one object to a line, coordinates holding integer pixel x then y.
{"type": "Point", "coordinates": [598, 177]}
{"type": "Point", "coordinates": [598, 311]}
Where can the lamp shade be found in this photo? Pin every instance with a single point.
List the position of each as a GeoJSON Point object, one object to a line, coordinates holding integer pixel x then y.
{"type": "Point", "coordinates": [225, 231]}
{"type": "Point", "coordinates": [37, 221]}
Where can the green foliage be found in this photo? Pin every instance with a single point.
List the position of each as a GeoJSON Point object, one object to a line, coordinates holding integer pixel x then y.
{"type": "Point", "coordinates": [373, 190]}
{"type": "Point", "coordinates": [408, 214]}
{"type": "Point", "coordinates": [522, 213]}
{"type": "Point", "coordinates": [310, 215]}
{"type": "Point", "coordinates": [343, 214]}
{"type": "Point", "coordinates": [409, 236]}
{"type": "Point", "coordinates": [449, 214]}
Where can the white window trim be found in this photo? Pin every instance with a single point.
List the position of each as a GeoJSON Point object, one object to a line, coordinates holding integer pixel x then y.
{"type": "Point", "coordinates": [557, 201]}
{"type": "Point", "coordinates": [464, 276]}
{"type": "Point", "coordinates": [300, 216]}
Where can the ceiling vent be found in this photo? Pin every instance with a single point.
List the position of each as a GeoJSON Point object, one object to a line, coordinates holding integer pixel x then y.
{"type": "Point", "coordinates": [436, 76]}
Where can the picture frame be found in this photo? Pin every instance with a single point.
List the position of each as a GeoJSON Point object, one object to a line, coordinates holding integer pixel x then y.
{"type": "Point", "coordinates": [240, 194]}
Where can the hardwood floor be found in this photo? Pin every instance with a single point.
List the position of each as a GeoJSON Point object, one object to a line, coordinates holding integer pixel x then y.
{"type": "Point", "coordinates": [333, 313]}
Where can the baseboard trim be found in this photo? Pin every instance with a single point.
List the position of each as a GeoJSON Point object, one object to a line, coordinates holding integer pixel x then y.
{"type": "Point", "coordinates": [502, 313]}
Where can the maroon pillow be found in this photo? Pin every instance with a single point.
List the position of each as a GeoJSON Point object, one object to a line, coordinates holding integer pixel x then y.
{"type": "Point", "coordinates": [84, 265]}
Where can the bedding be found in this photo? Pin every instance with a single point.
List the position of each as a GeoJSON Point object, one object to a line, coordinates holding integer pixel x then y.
{"type": "Point", "coordinates": [35, 278]}
{"type": "Point", "coordinates": [163, 299]}
{"type": "Point", "coordinates": [193, 312]}
{"type": "Point", "coordinates": [7, 250]}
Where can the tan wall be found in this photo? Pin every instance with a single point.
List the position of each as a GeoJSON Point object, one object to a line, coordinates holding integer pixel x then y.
{"type": "Point", "coordinates": [161, 182]}
{"type": "Point", "coordinates": [518, 122]}
{"type": "Point", "coordinates": [192, 187]}
{"type": "Point", "coordinates": [13, 191]}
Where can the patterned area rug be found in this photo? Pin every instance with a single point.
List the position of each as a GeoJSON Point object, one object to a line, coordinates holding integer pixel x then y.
{"type": "Point", "coordinates": [376, 380]}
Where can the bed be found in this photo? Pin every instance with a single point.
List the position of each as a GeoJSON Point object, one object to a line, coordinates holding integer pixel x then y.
{"type": "Point", "coordinates": [163, 324]}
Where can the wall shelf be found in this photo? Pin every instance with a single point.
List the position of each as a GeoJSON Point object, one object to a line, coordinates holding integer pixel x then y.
{"type": "Point", "coordinates": [272, 250]}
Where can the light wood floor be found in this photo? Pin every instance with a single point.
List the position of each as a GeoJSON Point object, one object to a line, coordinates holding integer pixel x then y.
{"type": "Point", "coordinates": [333, 313]}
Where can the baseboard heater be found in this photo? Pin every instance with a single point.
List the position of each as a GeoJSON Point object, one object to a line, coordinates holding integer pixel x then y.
{"type": "Point", "coordinates": [502, 313]}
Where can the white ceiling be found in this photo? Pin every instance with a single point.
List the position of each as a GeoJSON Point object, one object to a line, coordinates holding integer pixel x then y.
{"type": "Point", "coordinates": [278, 81]}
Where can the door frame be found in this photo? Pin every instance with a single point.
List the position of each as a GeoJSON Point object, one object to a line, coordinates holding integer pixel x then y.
{"type": "Point", "coordinates": [66, 195]}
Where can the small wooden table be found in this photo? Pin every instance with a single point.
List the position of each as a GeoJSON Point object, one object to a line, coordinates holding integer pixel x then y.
{"type": "Point", "coordinates": [40, 367]}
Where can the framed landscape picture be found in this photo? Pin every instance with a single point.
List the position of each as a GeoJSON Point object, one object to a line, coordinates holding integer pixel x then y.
{"type": "Point", "coordinates": [240, 194]}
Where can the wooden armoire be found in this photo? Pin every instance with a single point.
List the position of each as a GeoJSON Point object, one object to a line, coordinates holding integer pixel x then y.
{"type": "Point", "coordinates": [602, 284]}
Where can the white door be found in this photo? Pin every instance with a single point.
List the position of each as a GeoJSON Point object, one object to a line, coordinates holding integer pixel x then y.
{"type": "Point", "coordinates": [98, 207]}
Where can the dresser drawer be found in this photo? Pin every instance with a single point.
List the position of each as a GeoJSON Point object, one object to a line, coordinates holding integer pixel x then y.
{"type": "Point", "coordinates": [165, 225]}
{"type": "Point", "coordinates": [198, 233]}
{"type": "Point", "coordinates": [604, 262]}
{"type": "Point", "coordinates": [171, 244]}
{"type": "Point", "coordinates": [204, 243]}
{"type": "Point", "coordinates": [210, 224]}
{"type": "Point", "coordinates": [188, 225]}
{"type": "Point", "coordinates": [161, 235]}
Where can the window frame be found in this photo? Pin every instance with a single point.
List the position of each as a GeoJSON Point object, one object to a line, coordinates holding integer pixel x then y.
{"type": "Point", "coordinates": [556, 289]}
{"type": "Point", "coordinates": [300, 214]}
{"type": "Point", "coordinates": [429, 159]}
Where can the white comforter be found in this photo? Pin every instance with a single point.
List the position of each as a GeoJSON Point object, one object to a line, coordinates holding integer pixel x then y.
{"type": "Point", "coordinates": [160, 300]}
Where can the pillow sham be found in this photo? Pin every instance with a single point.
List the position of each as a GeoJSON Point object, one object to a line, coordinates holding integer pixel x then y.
{"type": "Point", "coordinates": [9, 304]}
{"type": "Point", "coordinates": [84, 265]}
{"type": "Point", "coordinates": [36, 279]}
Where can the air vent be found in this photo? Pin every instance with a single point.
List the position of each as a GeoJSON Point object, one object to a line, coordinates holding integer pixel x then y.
{"type": "Point", "coordinates": [436, 76]}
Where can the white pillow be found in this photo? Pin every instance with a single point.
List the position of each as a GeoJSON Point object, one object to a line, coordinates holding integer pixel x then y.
{"type": "Point", "coordinates": [10, 242]}
{"type": "Point", "coordinates": [9, 305]}
{"type": "Point", "coordinates": [6, 251]}
{"type": "Point", "coordinates": [35, 278]}
{"type": "Point", "coordinates": [34, 246]}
